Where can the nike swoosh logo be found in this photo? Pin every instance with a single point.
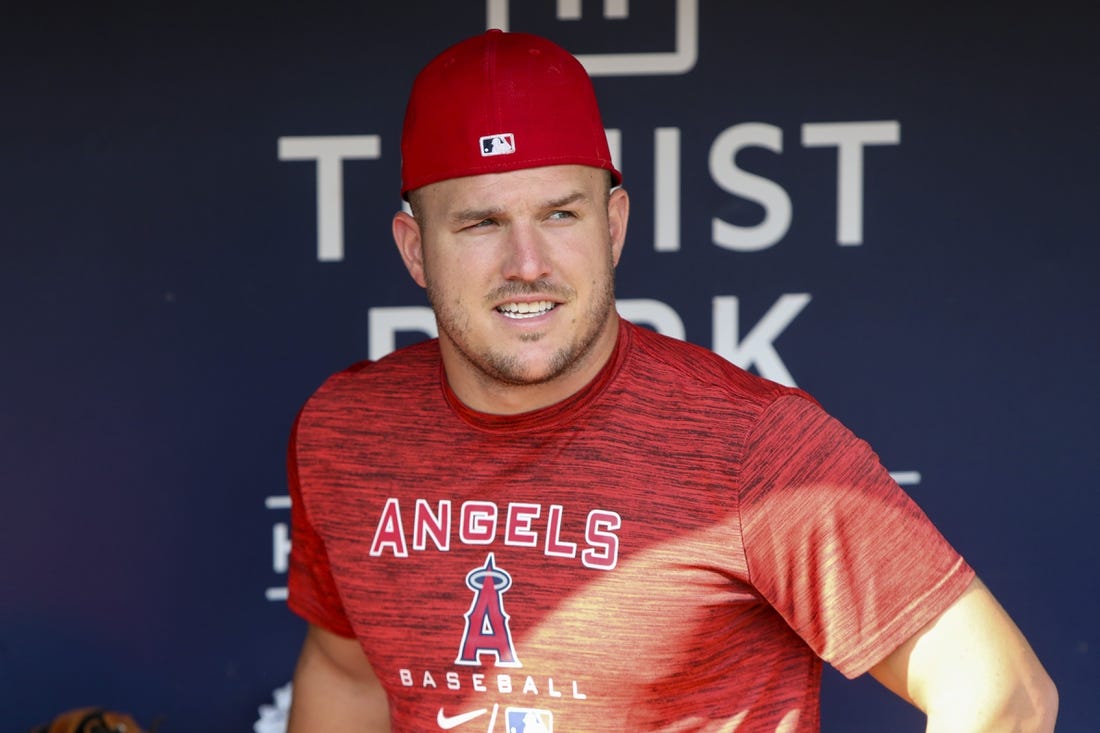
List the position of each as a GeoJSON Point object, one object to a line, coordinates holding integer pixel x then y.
{"type": "Point", "coordinates": [446, 722]}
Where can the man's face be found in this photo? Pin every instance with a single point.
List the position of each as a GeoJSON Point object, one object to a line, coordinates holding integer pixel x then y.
{"type": "Point", "coordinates": [519, 269]}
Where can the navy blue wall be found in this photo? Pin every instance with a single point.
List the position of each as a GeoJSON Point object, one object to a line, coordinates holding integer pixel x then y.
{"type": "Point", "coordinates": [165, 305]}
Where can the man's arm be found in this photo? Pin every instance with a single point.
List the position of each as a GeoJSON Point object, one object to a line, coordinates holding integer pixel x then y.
{"type": "Point", "coordinates": [335, 688]}
{"type": "Point", "coordinates": [971, 670]}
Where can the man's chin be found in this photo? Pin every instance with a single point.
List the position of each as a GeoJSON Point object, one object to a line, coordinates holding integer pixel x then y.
{"type": "Point", "coordinates": [533, 369]}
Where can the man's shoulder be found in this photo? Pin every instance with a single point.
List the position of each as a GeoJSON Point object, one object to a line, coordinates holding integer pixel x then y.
{"type": "Point", "coordinates": [397, 375]}
{"type": "Point", "coordinates": [694, 368]}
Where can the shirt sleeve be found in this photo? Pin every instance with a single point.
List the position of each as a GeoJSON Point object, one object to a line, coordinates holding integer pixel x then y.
{"type": "Point", "coordinates": [311, 589]}
{"type": "Point", "coordinates": [836, 546]}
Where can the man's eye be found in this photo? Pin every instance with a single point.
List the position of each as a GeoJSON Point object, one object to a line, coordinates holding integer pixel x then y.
{"type": "Point", "coordinates": [562, 215]}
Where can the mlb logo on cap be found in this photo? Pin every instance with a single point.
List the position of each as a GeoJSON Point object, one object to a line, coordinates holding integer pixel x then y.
{"type": "Point", "coordinates": [501, 144]}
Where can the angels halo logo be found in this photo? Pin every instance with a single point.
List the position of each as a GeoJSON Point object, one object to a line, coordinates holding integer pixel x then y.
{"type": "Point", "coordinates": [487, 630]}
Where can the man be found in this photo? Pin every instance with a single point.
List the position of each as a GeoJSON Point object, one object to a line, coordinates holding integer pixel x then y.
{"type": "Point", "coordinates": [550, 519]}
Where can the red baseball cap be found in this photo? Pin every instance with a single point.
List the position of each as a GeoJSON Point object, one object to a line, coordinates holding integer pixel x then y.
{"type": "Point", "coordinates": [500, 102]}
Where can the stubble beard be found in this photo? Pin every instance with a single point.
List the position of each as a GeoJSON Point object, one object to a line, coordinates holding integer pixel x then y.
{"type": "Point", "coordinates": [497, 366]}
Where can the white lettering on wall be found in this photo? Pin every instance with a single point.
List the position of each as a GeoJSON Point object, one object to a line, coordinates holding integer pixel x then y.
{"type": "Point", "coordinates": [280, 547]}
{"type": "Point", "coordinates": [680, 60]}
{"type": "Point", "coordinates": [384, 323]}
{"type": "Point", "coordinates": [850, 139]}
{"type": "Point", "coordinates": [767, 193]}
{"type": "Point", "coordinates": [330, 152]}
{"type": "Point", "coordinates": [653, 313]}
{"type": "Point", "coordinates": [615, 147]}
{"type": "Point", "coordinates": [666, 189]}
{"type": "Point", "coordinates": [757, 348]}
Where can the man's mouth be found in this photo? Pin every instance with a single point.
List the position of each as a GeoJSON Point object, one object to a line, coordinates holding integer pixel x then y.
{"type": "Point", "coordinates": [526, 310]}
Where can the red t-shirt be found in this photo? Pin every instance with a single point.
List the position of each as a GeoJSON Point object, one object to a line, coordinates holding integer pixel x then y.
{"type": "Point", "coordinates": [674, 548]}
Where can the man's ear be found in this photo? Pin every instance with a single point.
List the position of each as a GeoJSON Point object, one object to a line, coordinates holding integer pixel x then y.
{"type": "Point", "coordinates": [618, 212]}
{"type": "Point", "coordinates": [406, 234]}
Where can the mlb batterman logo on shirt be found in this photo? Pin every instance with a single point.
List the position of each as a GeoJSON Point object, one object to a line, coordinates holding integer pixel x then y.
{"type": "Point", "coordinates": [529, 720]}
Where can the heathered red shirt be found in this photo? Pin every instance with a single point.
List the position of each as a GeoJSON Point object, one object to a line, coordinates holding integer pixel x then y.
{"type": "Point", "coordinates": [677, 547]}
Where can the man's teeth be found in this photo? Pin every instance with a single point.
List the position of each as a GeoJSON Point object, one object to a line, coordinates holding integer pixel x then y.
{"type": "Point", "coordinates": [526, 310]}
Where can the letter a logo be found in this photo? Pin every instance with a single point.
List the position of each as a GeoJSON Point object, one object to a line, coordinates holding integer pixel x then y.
{"type": "Point", "coordinates": [487, 629]}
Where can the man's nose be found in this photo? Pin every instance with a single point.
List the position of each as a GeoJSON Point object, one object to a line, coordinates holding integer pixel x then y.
{"type": "Point", "coordinates": [526, 253]}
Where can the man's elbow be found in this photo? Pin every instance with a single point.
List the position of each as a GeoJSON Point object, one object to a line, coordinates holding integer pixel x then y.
{"type": "Point", "coordinates": [1045, 694]}
{"type": "Point", "coordinates": [1032, 708]}
{"type": "Point", "coordinates": [1011, 703]}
